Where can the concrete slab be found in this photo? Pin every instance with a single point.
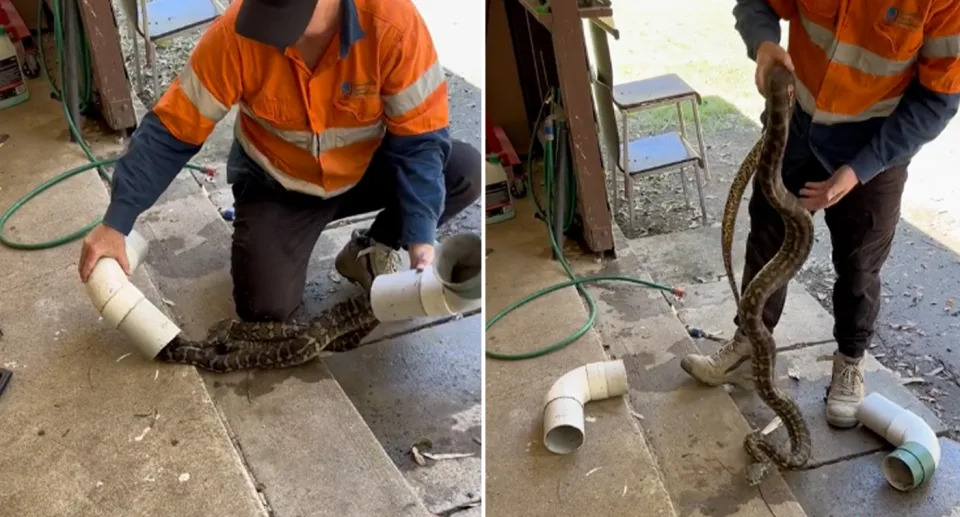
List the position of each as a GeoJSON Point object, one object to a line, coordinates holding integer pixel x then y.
{"type": "Point", "coordinates": [85, 432]}
{"type": "Point", "coordinates": [38, 150]}
{"type": "Point", "coordinates": [689, 256]}
{"type": "Point", "coordinates": [711, 307]}
{"type": "Point", "coordinates": [158, 443]}
{"type": "Point", "coordinates": [811, 366]}
{"type": "Point", "coordinates": [272, 414]}
{"type": "Point", "coordinates": [440, 368]}
{"type": "Point", "coordinates": [696, 433]}
{"type": "Point", "coordinates": [614, 472]}
{"type": "Point", "coordinates": [856, 487]}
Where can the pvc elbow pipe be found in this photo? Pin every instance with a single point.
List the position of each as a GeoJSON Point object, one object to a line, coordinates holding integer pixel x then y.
{"type": "Point", "coordinates": [918, 450]}
{"type": "Point", "coordinates": [563, 428]}
{"type": "Point", "coordinates": [124, 307]}
{"type": "Point", "coordinates": [452, 285]}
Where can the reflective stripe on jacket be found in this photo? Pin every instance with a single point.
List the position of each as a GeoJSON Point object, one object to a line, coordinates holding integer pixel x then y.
{"type": "Point", "coordinates": [314, 131]}
{"type": "Point", "coordinates": [876, 81]}
{"type": "Point", "coordinates": [855, 59]}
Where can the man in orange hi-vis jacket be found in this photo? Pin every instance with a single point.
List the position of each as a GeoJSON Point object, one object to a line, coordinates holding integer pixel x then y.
{"type": "Point", "coordinates": [875, 82]}
{"type": "Point", "coordinates": [342, 110]}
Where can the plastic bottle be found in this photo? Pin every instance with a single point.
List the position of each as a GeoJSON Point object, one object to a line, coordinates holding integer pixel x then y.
{"type": "Point", "coordinates": [13, 86]}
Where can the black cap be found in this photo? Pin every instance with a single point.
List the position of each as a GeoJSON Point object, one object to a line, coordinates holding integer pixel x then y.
{"type": "Point", "coordinates": [279, 23]}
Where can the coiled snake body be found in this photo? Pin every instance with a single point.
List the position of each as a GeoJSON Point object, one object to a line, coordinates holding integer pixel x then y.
{"type": "Point", "coordinates": [765, 159]}
{"type": "Point", "coordinates": [235, 345]}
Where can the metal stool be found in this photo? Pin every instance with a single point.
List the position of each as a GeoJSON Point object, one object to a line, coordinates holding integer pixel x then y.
{"type": "Point", "coordinates": [660, 153]}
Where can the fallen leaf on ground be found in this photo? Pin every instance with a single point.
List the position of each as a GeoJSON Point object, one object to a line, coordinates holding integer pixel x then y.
{"type": "Point", "coordinates": [793, 374]}
{"type": "Point", "coordinates": [935, 372]}
{"type": "Point", "coordinates": [417, 457]}
{"type": "Point", "coordinates": [447, 455]}
{"type": "Point", "coordinates": [912, 380]}
{"type": "Point", "coordinates": [636, 415]}
{"type": "Point", "coordinates": [591, 471]}
{"type": "Point", "coordinates": [772, 426]}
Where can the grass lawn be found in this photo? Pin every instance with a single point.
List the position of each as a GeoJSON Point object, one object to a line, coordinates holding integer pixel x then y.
{"type": "Point", "coordinates": [700, 44]}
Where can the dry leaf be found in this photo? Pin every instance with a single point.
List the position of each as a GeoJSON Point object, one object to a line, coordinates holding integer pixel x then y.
{"type": "Point", "coordinates": [591, 471]}
{"type": "Point", "coordinates": [912, 380]}
{"type": "Point", "coordinates": [447, 456]}
{"type": "Point", "coordinates": [772, 426]}
{"type": "Point", "coordinates": [793, 374]}
{"type": "Point", "coordinates": [935, 372]}
{"type": "Point", "coordinates": [417, 457]}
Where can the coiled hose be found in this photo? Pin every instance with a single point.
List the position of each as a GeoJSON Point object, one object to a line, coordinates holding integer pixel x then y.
{"type": "Point", "coordinates": [575, 280]}
{"type": "Point", "coordinates": [94, 162]}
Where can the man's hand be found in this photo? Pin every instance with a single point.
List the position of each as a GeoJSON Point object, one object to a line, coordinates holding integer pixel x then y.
{"type": "Point", "coordinates": [102, 241]}
{"type": "Point", "coordinates": [824, 194]}
{"type": "Point", "coordinates": [768, 54]}
{"type": "Point", "coordinates": [421, 256]}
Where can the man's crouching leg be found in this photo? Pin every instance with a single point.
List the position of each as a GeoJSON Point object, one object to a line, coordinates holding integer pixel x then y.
{"type": "Point", "coordinates": [374, 251]}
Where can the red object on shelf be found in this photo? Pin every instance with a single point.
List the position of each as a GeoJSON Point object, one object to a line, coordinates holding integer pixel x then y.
{"type": "Point", "coordinates": [499, 144]}
{"type": "Point", "coordinates": [12, 22]}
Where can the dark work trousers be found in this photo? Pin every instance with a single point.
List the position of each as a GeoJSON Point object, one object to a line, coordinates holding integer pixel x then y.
{"type": "Point", "coordinates": [275, 230]}
{"type": "Point", "coordinates": [862, 226]}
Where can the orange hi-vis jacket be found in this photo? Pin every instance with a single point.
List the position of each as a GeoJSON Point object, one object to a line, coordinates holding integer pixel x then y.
{"type": "Point", "coordinates": [877, 68]}
{"type": "Point", "coordinates": [313, 131]}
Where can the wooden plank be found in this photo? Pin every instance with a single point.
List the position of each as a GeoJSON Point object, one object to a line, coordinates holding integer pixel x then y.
{"type": "Point", "coordinates": [109, 71]}
{"type": "Point", "coordinates": [571, 56]}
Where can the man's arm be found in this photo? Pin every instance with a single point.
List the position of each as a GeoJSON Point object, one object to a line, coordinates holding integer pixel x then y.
{"type": "Point", "coordinates": [175, 129]}
{"type": "Point", "coordinates": [929, 103]}
{"type": "Point", "coordinates": [414, 94]}
{"type": "Point", "coordinates": [758, 21]}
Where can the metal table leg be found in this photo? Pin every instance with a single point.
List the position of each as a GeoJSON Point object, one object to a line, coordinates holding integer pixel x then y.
{"type": "Point", "coordinates": [703, 149]}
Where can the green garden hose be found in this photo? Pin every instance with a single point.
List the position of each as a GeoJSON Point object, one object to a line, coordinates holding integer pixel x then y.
{"type": "Point", "coordinates": [95, 163]}
{"type": "Point", "coordinates": [574, 279]}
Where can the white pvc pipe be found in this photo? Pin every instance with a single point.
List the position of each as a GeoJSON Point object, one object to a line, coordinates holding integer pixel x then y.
{"type": "Point", "coordinates": [124, 307]}
{"type": "Point", "coordinates": [918, 449]}
{"type": "Point", "coordinates": [450, 286]}
{"type": "Point", "coordinates": [563, 406]}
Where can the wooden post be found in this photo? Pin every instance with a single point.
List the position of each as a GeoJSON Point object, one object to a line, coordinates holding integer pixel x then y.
{"type": "Point", "coordinates": [109, 71]}
{"type": "Point", "coordinates": [571, 56]}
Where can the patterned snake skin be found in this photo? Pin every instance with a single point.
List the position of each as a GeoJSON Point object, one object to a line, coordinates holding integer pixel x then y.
{"type": "Point", "coordinates": [234, 345]}
{"type": "Point", "coordinates": [766, 158]}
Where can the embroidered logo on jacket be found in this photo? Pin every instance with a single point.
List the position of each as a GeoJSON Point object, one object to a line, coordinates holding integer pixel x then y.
{"type": "Point", "coordinates": [910, 21]}
{"type": "Point", "coordinates": [348, 89]}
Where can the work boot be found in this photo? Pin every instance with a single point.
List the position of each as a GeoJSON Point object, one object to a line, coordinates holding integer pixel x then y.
{"type": "Point", "coordinates": [363, 259]}
{"type": "Point", "coordinates": [845, 392]}
{"type": "Point", "coordinates": [716, 369]}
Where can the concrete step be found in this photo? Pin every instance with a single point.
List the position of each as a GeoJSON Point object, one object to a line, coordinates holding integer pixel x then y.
{"type": "Point", "coordinates": [86, 427]}
{"type": "Point", "coordinates": [614, 472]}
{"type": "Point", "coordinates": [804, 341]}
{"type": "Point", "coordinates": [696, 434]}
{"type": "Point", "coordinates": [303, 441]}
